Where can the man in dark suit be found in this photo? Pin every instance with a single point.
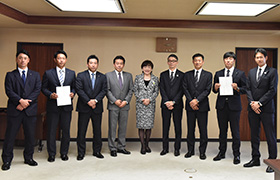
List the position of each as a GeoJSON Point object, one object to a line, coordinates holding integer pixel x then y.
{"type": "Point", "coordinates": [261, 88]}
{"type": "Point", "coordinates": [22, 87]}
{"type": "Point", "coordinates": [197, 85]}
{"type": "Point", "coordinates": [229, 107]}
{"type": "Point", "coordinates": [171, 103]}
{"type": "Point", "coordinates": [91, 86]}
{"type": "Point", "coordinates": [119, 93]}
{"type": "Point", "coordinates": [56, 77]}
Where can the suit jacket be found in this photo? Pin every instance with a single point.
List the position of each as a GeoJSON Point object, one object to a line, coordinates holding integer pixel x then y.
{"type": "Point", "coordinates": [264, 90]}
{"type": "Point", "coordinates": [200, 92]}
{"type": "Point", "coordinates": [86, 93]}
{"type": "Point", "coordinates": [50, 82]}
{"type": "Point", "coordinates": [16, 90]}
{"type": "Point", "coordinates": [114, 92]}
{"type": "Point", "coordinates": [171, 92]}
{"type": "Point", "coordinates": [234, 102]}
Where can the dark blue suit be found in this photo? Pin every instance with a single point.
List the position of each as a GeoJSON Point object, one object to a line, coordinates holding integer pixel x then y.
{"type": "Point", "coordinates": [86, 93]}
{"type": "Point", "coordinates": [16, 90]}
{"type": "Point", "coordinates": [229, 109]}
{"type": "Point", "coordinates": [264, 92]}
{"type": "Point", "coordinates": [56, 114]}
{"type": "Point", "coordinates": [171, 91]}
{"type": "Point", "coordinates": [200, 93]}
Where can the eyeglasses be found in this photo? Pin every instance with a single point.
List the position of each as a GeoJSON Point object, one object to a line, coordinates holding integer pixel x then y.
{"type": "Point", "coordinates": [173, 61]}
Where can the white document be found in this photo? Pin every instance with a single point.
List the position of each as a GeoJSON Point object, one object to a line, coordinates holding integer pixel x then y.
{"type": "Point", "coordinates": [63, 93]}
{"type": "Point", "coordinates": [226, 88]}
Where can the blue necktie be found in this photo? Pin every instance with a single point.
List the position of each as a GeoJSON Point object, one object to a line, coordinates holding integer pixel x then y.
{"type": "Point", "coordinates": [61, 79]}
{"type": "Point", "coordinates": [23, 77]}
{"type": "Point", "coordinates": [92, 80]}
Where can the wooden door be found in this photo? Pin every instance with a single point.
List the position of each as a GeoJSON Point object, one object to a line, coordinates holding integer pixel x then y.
{"type": "Point", "coordinates": [41, 59]}
{"type": "Point", "coordinates": [245, 62]}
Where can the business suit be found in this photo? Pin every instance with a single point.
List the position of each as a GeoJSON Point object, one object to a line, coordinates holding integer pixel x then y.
{"type": "Point", "coordinates": [229, 109]}
{"type": "Point", "coordinates": [16, 90]}
{"type": "Point", "coordinates": [200, 93]}
{"type": "Point", "coordinates": [58, 114]}
{"type": "Point", "coordinates": [171, 91]}
{"type": "Point", "coordinates": [86, 93]}
{"type": "Point", "coordinates": [264, 92]}
{"type": "Point", "coordinates": [118, 115]}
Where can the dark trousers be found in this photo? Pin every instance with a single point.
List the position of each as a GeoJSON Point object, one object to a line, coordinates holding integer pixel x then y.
{"type": "Point", "coordinates": [82, 129]}
{"type": "Point", "coordinates": [226, 116]}
{"type": "Point", "coordinates": [13, 125]}
{"type": "Point", "coordinates": [268, 122]}
{"type": "Point", "coordinates": [177, 120]}
{"type": "Point", "coordinates": [63, 118]}
{"type": "Point", "coordinates": [202, 120]}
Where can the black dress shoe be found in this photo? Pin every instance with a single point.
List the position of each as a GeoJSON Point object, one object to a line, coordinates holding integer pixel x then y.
{"type": "Point", "coordinates": [80, 157]}
{"type": "Point", "coordinates": [163, 152]}
{"type": "Point", "coordinates": [64, 157]}
{"type": "Point", "coordinates": [98, 155]}
{"type": "Point", "coordinates": [189, 154]}
{"type": "Point", "coordinates": [269, 169]}
{"type": "Point", "coordinates": [124, 151]}
{"type": "Point", "coordinates": [219, 157]}
{"type": "Point", "coordinates": [253, 162]}
{"type": "Point", "coordinates": [51, 158]}
{"type": "Point", "coordinates": [148, 150]}
{"type": "Point", "coordinates": [113, 153]}
{"type": "Point", "coordinates": [176, 153]}
{"type": "Point", "coordinates": [202, 156]}
{"type": "Point", "coordinates": [30, 162]}
{"type": "Point", "coordinates": [236, 160]}
{"type": "Point", "coordinates": [6, 166]}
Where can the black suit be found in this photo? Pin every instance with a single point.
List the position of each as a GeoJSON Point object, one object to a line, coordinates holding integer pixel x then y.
{"type": "Point", "coordinates": [264, 92]}
{"type": "Point", "coordinates": [58, 114]}
{"type": "Point", "coordinates": [171, 91]}
{"type": "Point", "coordinates": [200, 93]}
{"type": "Point", "coordinates": [86, 93]}
{"type": "Point", "coordinates": [16, 90]}
{"type": "Point", "coordinates": [229, 109]}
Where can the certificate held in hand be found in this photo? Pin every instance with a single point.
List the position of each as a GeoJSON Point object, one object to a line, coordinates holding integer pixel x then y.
{"type": "Point", "coordinates": [226, 88]}
{"type": "Point", "coordinates": [63, 93]}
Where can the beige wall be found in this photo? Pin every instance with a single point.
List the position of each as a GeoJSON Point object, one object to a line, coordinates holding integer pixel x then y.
{"type": "Point", "coordinates": [135, 47]}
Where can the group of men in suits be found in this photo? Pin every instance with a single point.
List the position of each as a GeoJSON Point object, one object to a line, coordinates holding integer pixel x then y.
{"type": "Point", "coordinates": [23, 87]}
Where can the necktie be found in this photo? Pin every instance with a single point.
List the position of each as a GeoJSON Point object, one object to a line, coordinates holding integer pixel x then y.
{"type": "Point", "coordinates": [259, 74]}
{"type": "Point", "coordinates": [120, 80]}
{"type": "Point", "coordinates": [196, 79]}
{"type": "Point", "coordinates": [92, 80]}
{"type": "Point", "coordinates": [23, 77]}
{"type": "Point", "coordinates": [172, 76]}
{"type": "Point", "coordinates": [228, 72]}
{"type": "Point", "coordinates": [61, 79]}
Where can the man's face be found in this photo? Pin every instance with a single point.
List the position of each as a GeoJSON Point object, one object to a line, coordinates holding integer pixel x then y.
{"type": "Point", "coordinates": [172, 62]}
{"type": "Point", "coordinates": [60, 60]}
{"type": "Point", "coordinates": [92, 65]}
{"type": "Point", "coordinates": [198, 62]}
{"type": "Point", "coordinates": [22, 60]}
{"type": "Point", "coordinates": [229, 62]}
{"type": "Point", "coordinates": [260, 59]}
{"type": "Point", "coordinates": [119, 65]}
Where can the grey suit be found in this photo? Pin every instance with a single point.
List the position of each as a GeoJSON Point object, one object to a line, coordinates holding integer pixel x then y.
{"type": "Point", "coordinates": [118, 115]}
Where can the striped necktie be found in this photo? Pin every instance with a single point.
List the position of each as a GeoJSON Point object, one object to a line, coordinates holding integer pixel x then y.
{"type": "Point", "coordinates": [61, 79]}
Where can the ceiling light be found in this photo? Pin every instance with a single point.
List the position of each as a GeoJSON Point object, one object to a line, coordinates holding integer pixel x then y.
{"type": "Point", "coordinates": [110, 6]}
{"type": "Point", "coordinates": [235, 9]}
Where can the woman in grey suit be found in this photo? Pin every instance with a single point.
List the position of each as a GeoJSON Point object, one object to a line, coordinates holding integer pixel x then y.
{"type": "Point", "coordinates": [146, 89]}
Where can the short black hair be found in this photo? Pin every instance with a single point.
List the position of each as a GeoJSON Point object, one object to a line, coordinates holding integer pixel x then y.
{"type": "Point", "coordinates": [172, 55]}
{"type": "Point", "coordinates": [147, 63]}
{"type": "Point", "coordinates": [60, 52]}
{"type": "Point", "coordinates": [92, 57]}
{"type": "Point", "coordinates": [230, 54]}
{"type": "Point", "coordinates": [119, 57]}
{"type": "Point", "coordinates": [260, 50]}
{"type": "Point", "coordinates": [23, 51]}
{"type": "Point", "coordinates": [198, 55]}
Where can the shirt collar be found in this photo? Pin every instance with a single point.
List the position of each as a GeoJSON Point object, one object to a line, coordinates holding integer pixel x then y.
{"type": "Point", "coordinates": [199, 71]}
{"type": "Point", "coordinates": [20, 70]}
{"type": "Point", "coordinates": [117, 72]}
{"type": "Point", "coordinates": [57, 69]}
{"type": "Point", "coordinates": [172, 71]}
{"type": "Point", "coordinates": [231, 69]}
{"type": "Point", "coordinates": [263, 68]}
